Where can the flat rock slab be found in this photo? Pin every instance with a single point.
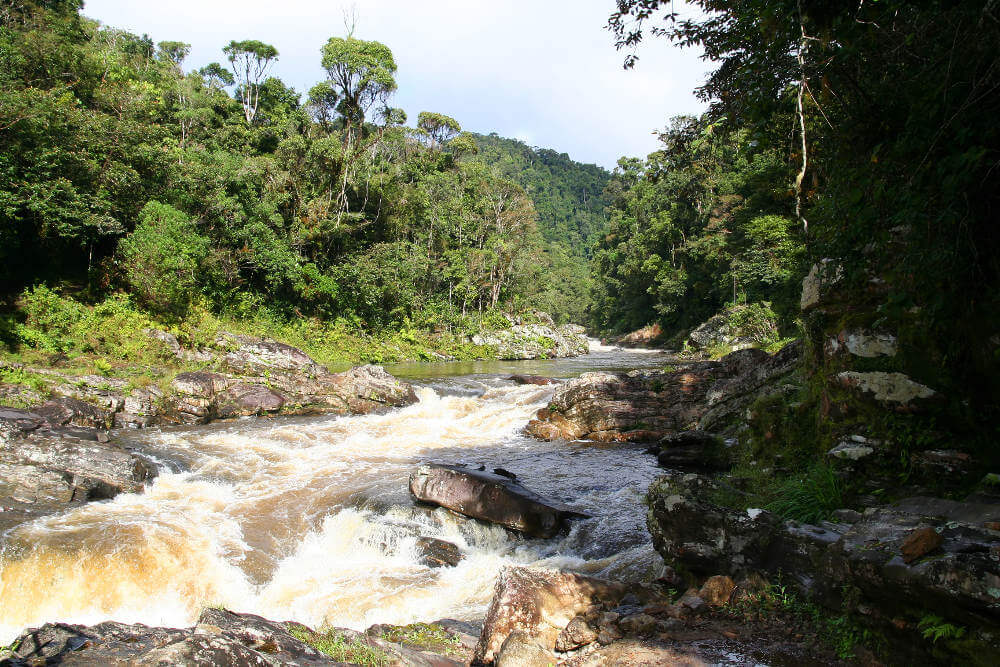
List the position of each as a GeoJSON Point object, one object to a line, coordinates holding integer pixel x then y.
{"type": "Point", "coordinates": [489, 497]}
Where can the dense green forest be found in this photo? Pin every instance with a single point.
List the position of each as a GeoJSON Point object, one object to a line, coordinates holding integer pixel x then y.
{"type": "Point", "coordinates": [861, 139]}
{"type": "Point", "coordinates": [221, 190]}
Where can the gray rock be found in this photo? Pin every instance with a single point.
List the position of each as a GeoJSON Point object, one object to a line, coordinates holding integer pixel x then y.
{"type": "Point", "coordinates": [962, 577]}
{"type": "Point", "coordinates": [893, 389]}
{"type": "Point", "coordinates": [816, 285]}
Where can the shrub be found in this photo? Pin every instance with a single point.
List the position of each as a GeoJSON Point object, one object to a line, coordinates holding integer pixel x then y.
{"type": "Point", "coordinates": [50, 320]}
{"type": "Point", "coordinates": [162, 259]}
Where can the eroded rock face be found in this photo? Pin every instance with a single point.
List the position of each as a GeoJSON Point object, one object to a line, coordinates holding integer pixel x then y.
{"type": "Point", "coordinates": [645, 406]}
{"type": "Point", "coordinates": [489, 497]}
{"type": "Point", "coordinates": [44, 466]}
{"type": "Point", "coordinates": [221, 637]}
{"type": "Point", "coordinates": [540, 603]}
{"type": "Point", "coordinates": [877, 553]}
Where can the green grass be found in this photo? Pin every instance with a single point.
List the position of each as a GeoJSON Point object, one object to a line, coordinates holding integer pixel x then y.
{"type": "Point", "coordinates": [424, 636]}
{"type": "Point", "coordinates": [809, 497]}
{"type": "Point", "coordinates": [340, 649]}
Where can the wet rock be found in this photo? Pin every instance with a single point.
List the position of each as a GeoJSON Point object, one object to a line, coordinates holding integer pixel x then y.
{"type": "Point", "coordinates": [717, 590]}
{"type": "Point", "coordinates": [539, 602]}
{"type": "Point", "coordinates": [518, 650]}
{"type": "Point", "coordinates": [693, 449]}
{"type": "Point", "coordinates": [577, 633]}
{"type": "Point", "coordinates": [438, 553]}
{"type": "Point", "coordinates": [920, 543]}
{"type": "Point", "coordinates": [489, 497]}
{"type": "Point", "coordinates": [532, 379]}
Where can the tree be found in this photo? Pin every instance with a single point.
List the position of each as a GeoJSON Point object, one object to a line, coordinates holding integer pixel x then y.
{"type": "Point", "coordinates": [173, 52]}
{"type": "Point", "coordinates": [322, 103]}
{"type": "Point", "coordinates": [216, 76]}
{"type": "Point", "coordinates": [439, 128]}
{"type": "Point", "coordinates": [362, 74]}
{"type": "Point", "coordinates": [250, 60]}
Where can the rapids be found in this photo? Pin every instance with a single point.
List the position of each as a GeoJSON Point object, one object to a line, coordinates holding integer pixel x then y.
{"type": "Point", "coordinates": [309, 519]}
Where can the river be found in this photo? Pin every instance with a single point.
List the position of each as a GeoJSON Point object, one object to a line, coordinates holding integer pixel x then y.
{"type": "Point", "coordinates": [310, 519]}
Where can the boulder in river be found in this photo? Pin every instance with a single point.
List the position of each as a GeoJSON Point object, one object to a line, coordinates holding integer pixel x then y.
{"type": "Point", "coordinates": [438, 553]}
{"type": "Point", "coordinates": [532, 379]}
{"type": "Point", "coordinates": [489, 497]}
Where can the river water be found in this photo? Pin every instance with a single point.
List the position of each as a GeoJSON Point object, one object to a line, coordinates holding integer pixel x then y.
{"type": "Point", "coordinates": [310, 519]}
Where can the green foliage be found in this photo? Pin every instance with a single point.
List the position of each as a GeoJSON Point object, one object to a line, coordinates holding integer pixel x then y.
{"type": "Point", "coordinates": [162, 259]}
{"type": "Point", "coordinates": [424, 636]}
{"type": "Point", "coordinates": [698, 224]}
{"type": "Point", "coordinates": [333, 644]}
{"type": "Point", "coordinates": [50, 321]}
{"type": "Point", "coordinates": [809, 497]}
{"type": "Point", "coordinates": [934, 628]}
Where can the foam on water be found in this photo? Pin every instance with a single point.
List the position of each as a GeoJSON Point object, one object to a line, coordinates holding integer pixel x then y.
{"type": "Point", "coordinates": [310, 520]}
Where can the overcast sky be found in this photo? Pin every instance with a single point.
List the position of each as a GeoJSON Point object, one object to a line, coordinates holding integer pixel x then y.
{"type": "Point", "coordinates": [543, 71]}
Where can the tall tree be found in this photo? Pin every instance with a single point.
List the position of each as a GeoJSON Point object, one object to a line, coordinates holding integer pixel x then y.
{"type": "Point", "coordinates": [250, 60]}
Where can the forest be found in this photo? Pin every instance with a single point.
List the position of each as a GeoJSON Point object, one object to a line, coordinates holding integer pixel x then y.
{"type": "Point", "coordinates": [183, 194]}
{"type": "Point", "coordinates": [180, 194]}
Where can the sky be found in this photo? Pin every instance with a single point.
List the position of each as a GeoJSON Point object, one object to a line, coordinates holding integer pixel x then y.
{"type": "Point", "coordinates": [543, 71]}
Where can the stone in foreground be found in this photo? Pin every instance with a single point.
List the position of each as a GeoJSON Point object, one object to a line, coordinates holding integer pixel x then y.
{"type": "Point", "coordinates": [489, 497]}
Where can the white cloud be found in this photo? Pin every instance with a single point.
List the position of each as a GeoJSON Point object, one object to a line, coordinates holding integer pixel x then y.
{"type": "Point", "coordinates": [544, 70]}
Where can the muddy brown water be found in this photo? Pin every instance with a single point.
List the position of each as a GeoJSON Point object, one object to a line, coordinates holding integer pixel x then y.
{"type": "Point", "coordinates": [310, 519]}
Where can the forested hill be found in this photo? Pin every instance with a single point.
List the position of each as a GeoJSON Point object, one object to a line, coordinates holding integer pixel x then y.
{"type": "Point", "coordinates": [568, 195]}
{"type": "Point", "coordinates": [192, 189]}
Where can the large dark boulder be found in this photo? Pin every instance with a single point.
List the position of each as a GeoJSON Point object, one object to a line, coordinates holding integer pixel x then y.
{"type": "Point", "coordinates": [489, 497]}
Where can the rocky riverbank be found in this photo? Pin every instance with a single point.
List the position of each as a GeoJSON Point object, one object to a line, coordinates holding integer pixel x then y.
{"type": "Point", "coordinates": [57, 450]}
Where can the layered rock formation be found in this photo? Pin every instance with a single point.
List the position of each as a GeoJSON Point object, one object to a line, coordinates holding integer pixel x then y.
{"type": "Point", "coordinates": [646, 406]}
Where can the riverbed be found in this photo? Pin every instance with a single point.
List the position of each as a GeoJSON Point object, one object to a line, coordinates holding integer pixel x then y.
{"type": "Point", "coordinates": [309, 519]}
